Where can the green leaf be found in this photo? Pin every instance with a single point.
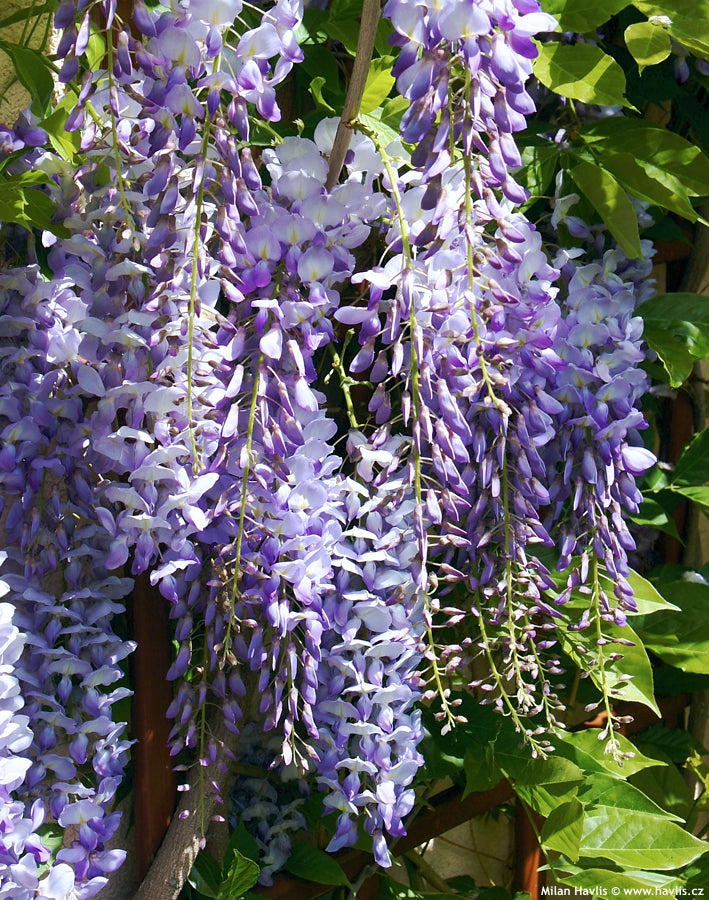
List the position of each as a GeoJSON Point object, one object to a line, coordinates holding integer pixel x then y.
{"type": "Point", "coordinates": [465, 751]}
{"type": "Point", "coordinates": [693, 464]}
{"type": "Point", "coordinates": [372, 125]}
{"type": "Point", "coordinates": [648, 42]}
{"type": "Point", "coordinates": [539, 167]}
{"type": "Point", "coordinates": [681, 639]}
{"type": "Point", "coordinates": [612, 204]}
{"type": "Point", "coordinates": [66, 144]}
{"type": "Point", "coordinates": [27, 206]}
{"type": "Point", "coordinates": [640, 841]}
{"type": "Point", "coordinates": [393, 110]}
{"type": "Point", "coordinates": [315, 88]}
{"type": "Point", "coordinates": [677, 744]}
{"type": "Point", "coordinates": [320, 63]}
{"type": "Point", "coordinates": [242, 875]}
{"type": "Point", "coordinates": [581, 15]}
{"type": "Point", "coordinates": [688, 21]}
{"type": "Point", "coordinates": [205, 875]}
{"type": "Point", "coordinates": [378, 84]}
{"type": "Point", "coordinates": [696, 493]}
{"type": "Point", "coordinates": [543, 784]}
{"type": "Point", "coordinates": [666, 786]}
{"type": "Point", "coordinates": [673, 349]}
{"type": "Point", "coordinates": [653, 146]}
{"type": "Point", "coordinates": [605, 790]}
{"type": "Point", "coordinates": [95, 49]}
{"type": "Point", "coordinates": [671, 681]}
{"type": "Point", "coordinates": [653, 515]}
{"type": "Point", "coordinates": [316, 865]}
{"type": "Point", "coordinates": [697, 875]}
{"type": "Point", "coordinates": [52, 836]}
{"type": "Point", "coordinates": [344, 30]}
{"type": "Point", "coordinates": [581, 645]}
{"type": "Point", "coordinates": [649, 183]}
{"type": "Point", "coordinates": [31, 70]}
{"type": "Point", "coordinates": [393, 890]}
{"type": "Point", "coordinates": [586, 745]}
{"type": "Point", "coordinates": [346, 9]}
{"type": "Point", "coordinates": [381, 41]}
{"type": "Point", "coordinates": [242, 841]}
{"type": "Point", "coordinates": [481, 772]}
{"type": "Point", "coordinates": [606, 883]}
{"type": "Point", "coordinates": [635, 663]}
{"type": "Point", "coordinates": [563, 828]}
{"type": "Point", "coordinates": [677, 329]}
{"type": "Point", "coordinates": [581, 72]}
{"type": "Point", "coordinates": [647, 598]}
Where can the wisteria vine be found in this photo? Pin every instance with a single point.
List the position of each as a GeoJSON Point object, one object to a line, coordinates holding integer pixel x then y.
{"type": "Point", "coordinates": [338, 464]}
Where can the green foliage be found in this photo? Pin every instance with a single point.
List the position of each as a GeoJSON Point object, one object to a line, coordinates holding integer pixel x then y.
{"type": "Point", "coordinates": [686, 20]}
{"type": "Point", "coordinates": [582, 16]}
{"type": "Point", "coordinates": [682, 640]}
{"type": "Point", "coordinates": [235, 877]}
{"type": "Point", "coordinates": [586, 750]}
{"type": "Point", "coordinates": [206, 875]}
{"type": "Point", "coordinates": [660, 152]}
{"type": "Point", "coordinates": [691, 467]}
{"type": "Point", "coordinates": [649, 43]}
{"type": "Point", "coordinates": [618, 883]}
{"type": "Point", "coordinates": [581, 72]}
{"type": "Point", "coordinates": [379, 82]}
{"type": "Point", "coordinates": [612, 204]}
{"type": "Point", "coordinates": [23, 202]}
{"type": "Point", "coordinates": [240, 877]}
{"type": "Point", "coordinates": [640, 841]}
{"type": "Point", "coordinates": [677, 329]}
{"type": "Point", "coordinates": [33, 71]}
{"type": "Point", "coordinates": [563, 829]}
{"type": "Point", "coordinates": [315, 865]}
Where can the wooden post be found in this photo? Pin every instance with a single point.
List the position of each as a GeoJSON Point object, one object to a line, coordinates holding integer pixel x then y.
{"type": "Point", "coordinates": [528, 853]}
{"type": "Point", "coordinates": [154, 779]}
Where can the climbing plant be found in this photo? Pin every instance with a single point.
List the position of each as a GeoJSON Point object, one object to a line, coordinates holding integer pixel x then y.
{"type": "Point", "coordinates": [340, 324]}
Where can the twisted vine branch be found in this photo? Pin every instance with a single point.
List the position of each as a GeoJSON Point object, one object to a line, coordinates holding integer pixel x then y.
{"type": "Point", "coordinates": [371, 11]}
{"type": "Point", "coordinates": [185, 836]}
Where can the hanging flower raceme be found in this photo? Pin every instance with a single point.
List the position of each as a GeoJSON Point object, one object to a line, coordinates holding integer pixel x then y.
{"type": "Point", "coordinates": [369, 681]}
{"type": "Point", "coordinates": [21, 849]}
{"type": "Point", "coordinates": [65, 599]}
{"type": "Point", "coordinates": [166, 407]}
{"type": "Point", "coordinates": [468, 335]}
{"type": "Point", "coordinates": [463, 67]}
{"type": "Point", "coordinates": [600, 451]}
{"type": "Point", "coordinates": [179, 67]}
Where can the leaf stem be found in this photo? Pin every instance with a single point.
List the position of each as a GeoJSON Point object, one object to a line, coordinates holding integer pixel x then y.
{"type": "Point", "coordinates": [193, 298]}
{"type": "Point", "coordinates": [499, 681]}
{"type": "Point", "coordinates": [470, 261]}
{"type": "Point", "coordinates": [242, 508]}
{"type": "Point", "coordinates": [120, 181]}
{"type": "Point", "coordinates": [415, 414]}
{"type": "Point", "coordinates": [612, 746]}
{"type": "Point", "coordinates": [345, 383]}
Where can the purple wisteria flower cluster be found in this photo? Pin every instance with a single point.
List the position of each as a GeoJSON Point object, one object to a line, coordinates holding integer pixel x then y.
{"type": "Point", "coordinates": [169, 359]}
{"type": "Point", "coordinates": [473, 321]}
{"type": "Point", "coordinates": [65, 599]}
{"type": "Point", "coordinates": [600, 389]}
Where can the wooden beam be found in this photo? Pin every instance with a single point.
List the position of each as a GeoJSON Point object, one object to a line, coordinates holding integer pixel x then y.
{"type": "Point", "coordinates": [154, 778]}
